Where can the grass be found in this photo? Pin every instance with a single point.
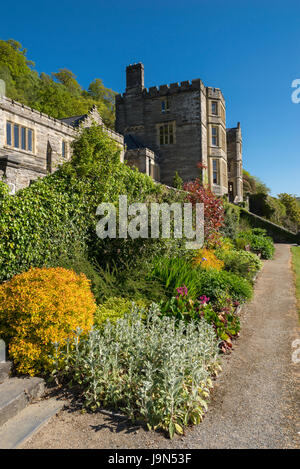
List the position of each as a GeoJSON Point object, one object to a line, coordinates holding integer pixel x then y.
{"type": "Point", "coordinates": [296, 265]}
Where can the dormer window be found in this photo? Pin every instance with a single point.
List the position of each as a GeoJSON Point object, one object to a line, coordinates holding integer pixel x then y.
{"type": "Point", "coordinates": [18, 136]}
{"type": "Point", "coordinates": [165, 107]}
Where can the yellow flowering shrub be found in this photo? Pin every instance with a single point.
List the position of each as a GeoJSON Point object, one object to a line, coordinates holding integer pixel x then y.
{"type": "Point", "coordinates": [42, 307]}
{"type": "Point", "coordinates": [207, 259]}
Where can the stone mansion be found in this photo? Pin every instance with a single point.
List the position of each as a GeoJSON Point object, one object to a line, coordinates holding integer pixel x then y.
{"type": "Point", "coordinates": [160, 131]}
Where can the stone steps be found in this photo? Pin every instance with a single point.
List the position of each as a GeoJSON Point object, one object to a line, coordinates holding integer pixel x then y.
{"type": "Point", "coordinates": [16, 394]}
{"type": "Point", "coordinates": [23, 425]}
{"type": "Point", "coordinates": [20, 416]}
{"type": "Point", "coordinates": [5, 369]}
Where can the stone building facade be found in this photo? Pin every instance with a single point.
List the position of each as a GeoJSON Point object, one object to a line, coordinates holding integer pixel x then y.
{"type": "Point", "coordinates": [182, 125]}
{"type": "Point", "coordinates": [33, 144]}
{"type": "Point", "coordinates": [160, 131]}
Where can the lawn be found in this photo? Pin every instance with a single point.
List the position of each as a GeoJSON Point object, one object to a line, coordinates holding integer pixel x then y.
{"type": "Point", "coordinates": [296, 265]}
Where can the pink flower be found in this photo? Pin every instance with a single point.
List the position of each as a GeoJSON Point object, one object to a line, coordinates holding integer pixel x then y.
{"type": "Point", "coordinates": [204, 299]}
{"type": "Point", "coordinates": [182, 291]}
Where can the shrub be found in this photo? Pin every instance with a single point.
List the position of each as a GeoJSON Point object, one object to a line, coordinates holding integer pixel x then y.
{"type": "Point", "coordinates": [258, 241]}
{"type": "Point", "coordinates": [173, 272]}
{"type": "Point", "coordinates": [41, 307]}
{"type": "Point", "coordinates": [231, 220]}
{"type": "Point", "coordinates": [214, 284]}
{"type": "Point", "coordinates": [115, 308]}
{"type": "Point", "coordinates": [213, 206]}
{"type": "Point", "coordinates": [226, 244]}
{"type": "Point", "coordinates": [151, 370]}
{"type": "Point", "coordinates": [207, 259]}
{"type": "Point", "coordinates": [221, 315]}
{"type": "Point", "coordinates": [291, 205]}
{"type": "Point", "coordinates": [244, 263]}
{"type": "Point", "coordinates": [40, 223]}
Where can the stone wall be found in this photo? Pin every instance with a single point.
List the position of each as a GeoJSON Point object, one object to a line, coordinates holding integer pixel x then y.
{"type": "Point", "coordinates": [19, 167]}
{"type": "Point", "coordinates": [144, 160]}
{"type": "Point", "coordinates": [139, 112]}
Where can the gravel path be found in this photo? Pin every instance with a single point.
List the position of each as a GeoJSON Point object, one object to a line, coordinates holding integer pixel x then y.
{"type": "Point", "coordinates": [256, 399]}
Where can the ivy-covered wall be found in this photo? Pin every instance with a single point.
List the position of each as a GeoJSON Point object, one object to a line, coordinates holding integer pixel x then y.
{"type": "Point", "coordinates": [278, 233]}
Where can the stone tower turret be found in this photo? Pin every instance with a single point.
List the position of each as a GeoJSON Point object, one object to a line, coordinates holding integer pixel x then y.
{"type": "Point", "coordinates": [235, 164]}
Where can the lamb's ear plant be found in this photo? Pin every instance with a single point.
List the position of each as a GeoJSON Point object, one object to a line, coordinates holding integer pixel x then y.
{"type": "Point", "coordinates": [156, 370]}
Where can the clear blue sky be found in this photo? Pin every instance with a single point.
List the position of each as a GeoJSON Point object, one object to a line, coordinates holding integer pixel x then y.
{"type": "Point", "coordinates": [248, 48]}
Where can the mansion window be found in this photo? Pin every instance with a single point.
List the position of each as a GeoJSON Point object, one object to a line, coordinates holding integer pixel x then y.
{"type": "Point", "coordinates": [165, 106]}
{"type": "Point", "coordinates": [166, 134]}
{"type": "Point", "coordinates": [214, 108]}
{"type": "Point", "coordinates": [64, 149]}
{"type": "Point", "coordinates": [18, 136]}
{"type": "Point", "coordinates": [215, 171]}
{"type": "Point", "coordinates": [214, 136]}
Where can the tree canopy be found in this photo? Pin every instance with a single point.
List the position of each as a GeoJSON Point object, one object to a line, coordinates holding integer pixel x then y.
{"type": "Point", "coordinates": [59, 94]}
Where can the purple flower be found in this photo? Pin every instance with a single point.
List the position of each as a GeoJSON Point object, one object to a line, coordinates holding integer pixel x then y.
{"type": "Point", "coordinates": [204, 299]}
{"type": "Point", "coordinates": [182, 291]}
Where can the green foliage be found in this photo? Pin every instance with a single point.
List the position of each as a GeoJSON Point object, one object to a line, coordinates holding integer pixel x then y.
{"type": "Point", "coordinates": [174, 272]}
{"type": "Point", "coordinates": [177, 181]}
{"type": "Point", "coordinates": [243, 263]}
{"type": "Point", "coordinates": [231, 220]}
{"type": "Point", "coordinates": [38, 224]}
{"type": "Point", "coordinates": [253, 185]}
{"type": "Point", "coordinates": [258, 241]}
{"type": "Point", "coordinates": [115, 308]}
{"type": "Point", "coordinates": [214, 284]}
{"type": "Point", "coordinates": [58, 95]}
{"type": "Point", "coordinates": [292, 208]}
{"type": "Point", "coordinates": [151, 370]}
{"type": "Point", "coordinates": [42, 222]}
{"type": "Point", "coordinates": [278, 212]}
{"type": "Point", "coordinates": [103, 281]}
{"type": "Point", "coordinates": [222, 315]}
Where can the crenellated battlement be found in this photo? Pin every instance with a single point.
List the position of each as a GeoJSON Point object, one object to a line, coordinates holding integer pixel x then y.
{"type": "Point", "coordinates": [214, 93]}
{"type": "Point", "coordinates": [168, 89]}
{"type": "Point", "coordinates": [173, 88]}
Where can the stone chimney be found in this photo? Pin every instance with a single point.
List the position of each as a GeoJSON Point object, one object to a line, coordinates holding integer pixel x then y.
{"type": "Point", "coordinates": [135, 78]}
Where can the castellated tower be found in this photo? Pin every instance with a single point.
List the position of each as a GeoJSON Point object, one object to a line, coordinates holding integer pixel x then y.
{"type": "Point", "coordinates": [181, 125]}
{"type": "Point", "coordinates": [235, 164]}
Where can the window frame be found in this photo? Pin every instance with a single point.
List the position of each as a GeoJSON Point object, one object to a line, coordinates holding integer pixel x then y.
{"type": "Point", "coordinates": [17, 136]}
{"type": "Point", "coordinates": [216, 136]}
{"type": "Point", "coordinates": [165, 105]}
{"type": "Point", "coordinates": [216, 170]}
{"type": "Point", "coordinates": [64, 149]}
{"type": "Point", "coordinates": [217, 108]}
{"type": "Point", "coordinates": [166, 133]}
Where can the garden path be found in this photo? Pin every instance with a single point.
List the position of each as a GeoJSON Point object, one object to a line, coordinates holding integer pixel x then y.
{"type": "Point", "coordinates": [256, 399]}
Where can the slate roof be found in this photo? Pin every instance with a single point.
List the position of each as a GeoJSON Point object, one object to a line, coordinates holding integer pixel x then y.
{"type": "Point", "coordinates": [74, 121]}
{"type": "Point", "coordinates": [132, 142]}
